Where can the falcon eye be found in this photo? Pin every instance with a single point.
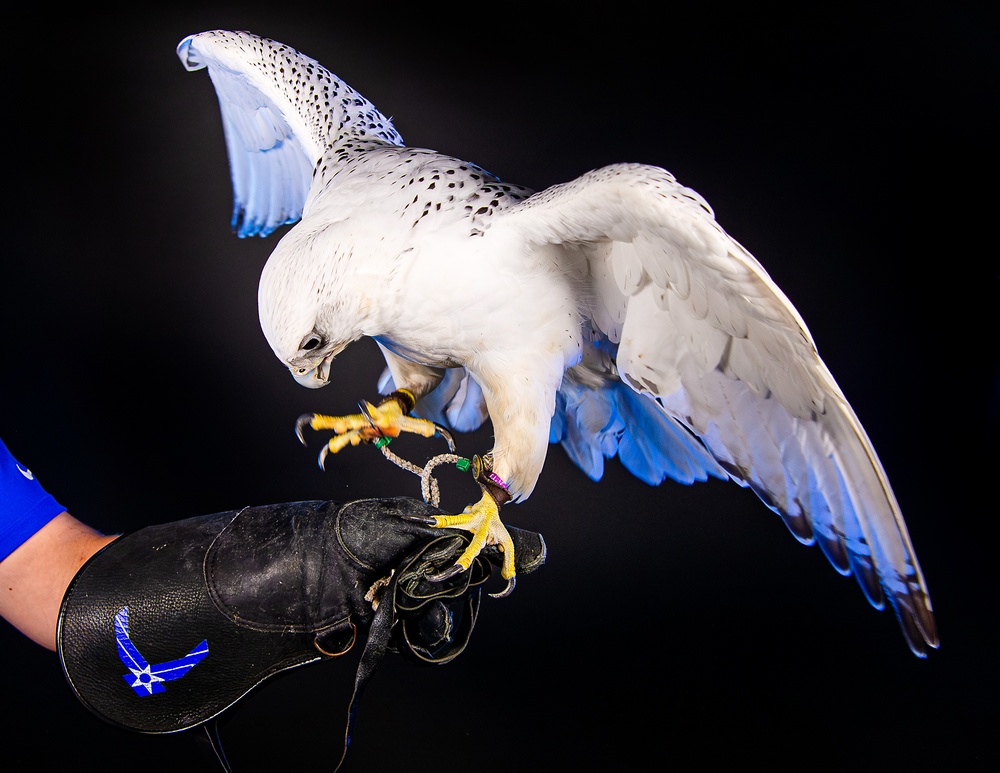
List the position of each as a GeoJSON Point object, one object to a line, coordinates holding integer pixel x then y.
{"type": "Point", "coordinates": [310, 342]}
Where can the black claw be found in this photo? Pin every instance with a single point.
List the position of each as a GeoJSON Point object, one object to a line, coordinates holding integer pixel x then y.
{"type": "Point", "coordinates": [448, 573]}
{"type": "Point", "coordinates": [303, 420]}
{"type": "Point", "coordinates": [322, 457]}
{"type": "Point", "coordinates": [506, 591]}
{"type": "Point", "coordinates": [447, 436]}
{"type": "Point", "coordinates": [367, 414]}
{"type": "Point", "coordinates": [424, 520]}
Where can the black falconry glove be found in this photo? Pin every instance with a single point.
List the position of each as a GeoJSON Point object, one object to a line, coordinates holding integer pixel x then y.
{"type": "Point", "coordinates": [167, 627]}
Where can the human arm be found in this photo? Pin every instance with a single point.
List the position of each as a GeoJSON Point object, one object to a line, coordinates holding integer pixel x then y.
{"type": "Point", "coordinates": [34, 578]}
{"type": "Point", "coordinates": [41, 547]}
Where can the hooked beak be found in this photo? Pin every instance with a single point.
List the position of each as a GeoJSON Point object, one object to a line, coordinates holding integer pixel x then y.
{"type": "Point", "coordinates": [313, 378]}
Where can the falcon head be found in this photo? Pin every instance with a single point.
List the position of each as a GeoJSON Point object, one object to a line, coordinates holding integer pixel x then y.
{"type": "Point", "coordinates": [310, 365]}
{"type": "Point", "coordinates": [304, 333]}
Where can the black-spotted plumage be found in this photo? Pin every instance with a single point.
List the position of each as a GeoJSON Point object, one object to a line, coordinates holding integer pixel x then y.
{"type": "Point", "coordinates": [611, 313]}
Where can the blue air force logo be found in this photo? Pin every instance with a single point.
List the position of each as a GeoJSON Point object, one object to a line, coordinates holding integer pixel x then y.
{"type": "Point", "coordinates": [146, 678]}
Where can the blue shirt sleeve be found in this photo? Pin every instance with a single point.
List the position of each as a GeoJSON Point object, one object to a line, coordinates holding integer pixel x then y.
{"type": "Point", "coordinates": [25, 506]}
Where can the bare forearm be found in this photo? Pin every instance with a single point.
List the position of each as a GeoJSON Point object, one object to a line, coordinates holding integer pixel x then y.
{"type": "Point", "coordinates": [34, 577]}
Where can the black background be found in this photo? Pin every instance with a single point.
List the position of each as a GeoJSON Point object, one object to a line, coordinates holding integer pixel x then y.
{"type": "Point", "coordinates": [849, 150]}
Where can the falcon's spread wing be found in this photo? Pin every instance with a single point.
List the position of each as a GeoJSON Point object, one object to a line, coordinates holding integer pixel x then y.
{"type": "Point", "coordinates": [275, 129]}
{"type": "Point", "coordinates": [698, 325]}
{"type": "Point", "coordinates": [694, 363]}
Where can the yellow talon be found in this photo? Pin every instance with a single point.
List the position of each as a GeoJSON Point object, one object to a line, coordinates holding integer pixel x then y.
{"type": "Point", "coordinates": [449, 521]}
{"type": "Point", "coordinates": [418, 426]}
{"type": "Point", "coordinates": [339, 442]}
{"type": "Point", "coordinates": [483, 520]}
{"type": "Point", "coordinates": [385, 420]}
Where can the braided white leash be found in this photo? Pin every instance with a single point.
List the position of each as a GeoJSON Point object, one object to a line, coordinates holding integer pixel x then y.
{"type": "Point", "coordinates": [429, 488]}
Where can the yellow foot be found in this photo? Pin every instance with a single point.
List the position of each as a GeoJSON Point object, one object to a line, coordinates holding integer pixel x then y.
{"type": "Point", "coordinates": [386, 420]}
{"type": "Point", "coordinates": [483, 520]}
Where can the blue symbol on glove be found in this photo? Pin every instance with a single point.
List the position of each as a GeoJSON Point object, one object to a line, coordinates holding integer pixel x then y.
{"type": "Point", "coordinates": [144, 678]}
